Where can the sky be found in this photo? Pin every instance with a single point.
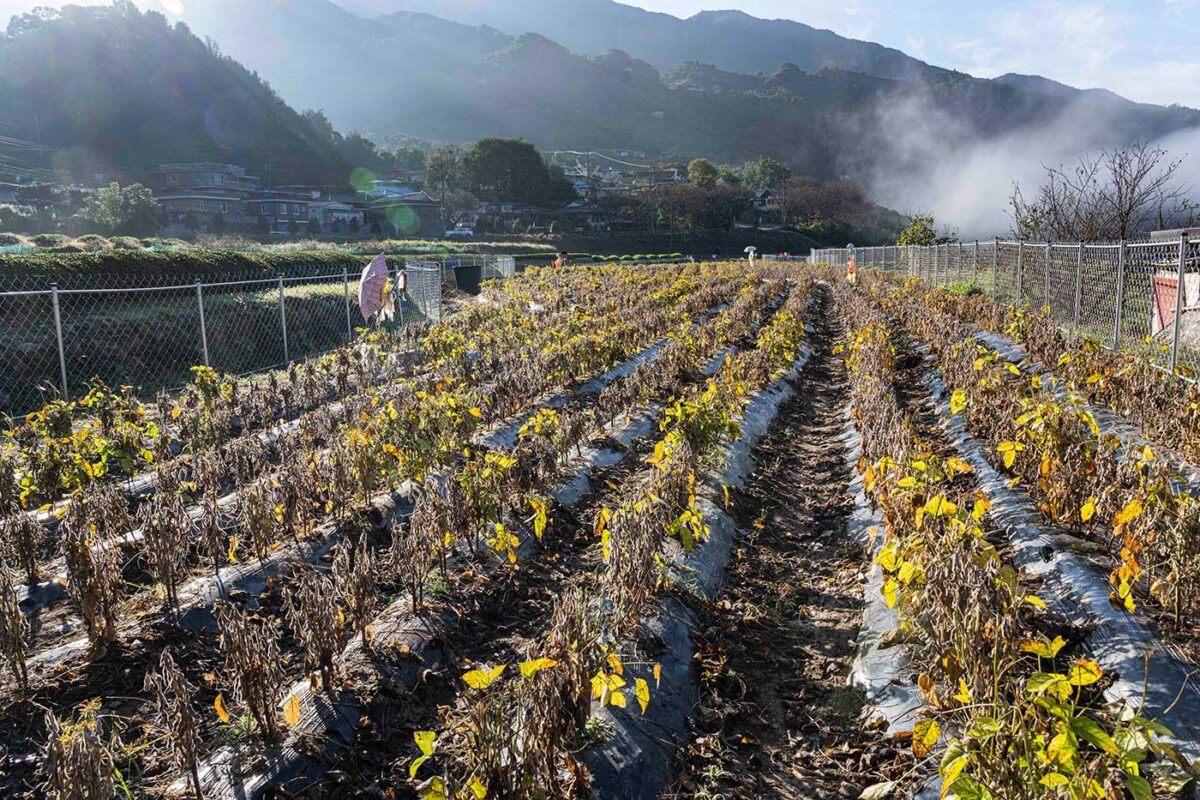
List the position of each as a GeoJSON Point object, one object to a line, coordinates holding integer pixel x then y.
{"type": "Point", "coordinates": [1146, 51]}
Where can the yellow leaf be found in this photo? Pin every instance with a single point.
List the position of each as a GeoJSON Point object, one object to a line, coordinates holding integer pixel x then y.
{"type": "Point", "coordinates": [476, 413]}
{"type": "Point", "coordinates": [657, 675]}
{"type": "Point", "coordinates": [958, 401]}
{"type": "Point", "coordinates": [233, 546]}
{"type": "Point", "coordinates": [982, 506]}
{"type": "Point", "coordinates": [479, 679]}
{"type": "Point", "coordinates": [1089, 509]}
{"type": "Point", "coordinates": [477, 788]}
{"type": "Point", "coordinates": [616, 698]}
{"type": "Point", "coordinates": [957, 465]}
{"type": "Point", "coordinates": [531, 668]}
{"type": "Point", "coordinates": [176, 411]}
{"type": "Point", "coordinates": [1043, 649]}
{"type": "Point", "coordinates": [291, 711]}
{"type": "Point", "coordinates": [416, 765]}
{"type": "Point", "coordinates": [1035, 601]}
{"type": "Point", "coordinates": [939, 506]}
{"type": "Point", "coordinates": [964, 692]}
{"type": "Point", "coordinates": [1084, 672]}
{"type": "Point", "coordinates": [925, 736]}
{"type": "Point", "coordinates": [643, 693]}
{"type": "Point", "coordinates": [426, 741]}
{"type": "Point", "coordinates": [614, 663]}
{"type": "Point", "coordinates": [1129, 513]}
{"type": "Point", "coordinates": [890, 588]}
{"type": "Point", "coordinates": [219, 705]}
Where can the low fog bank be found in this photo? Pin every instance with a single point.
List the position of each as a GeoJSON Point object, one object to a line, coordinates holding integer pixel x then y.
{"type": "Point", "coordinates": [929, 160]}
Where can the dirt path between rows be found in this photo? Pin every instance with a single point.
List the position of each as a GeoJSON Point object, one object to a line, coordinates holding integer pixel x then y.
{"type": "Point", "coordinates": [777, 718]}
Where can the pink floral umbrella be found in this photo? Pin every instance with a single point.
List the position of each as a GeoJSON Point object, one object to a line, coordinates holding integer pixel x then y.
{"type": "Point", "coordinates": [372, 288]}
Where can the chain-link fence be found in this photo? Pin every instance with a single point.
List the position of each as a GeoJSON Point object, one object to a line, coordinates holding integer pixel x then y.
{"type": "Point", "coordinates": [54, 340]}
{"type": "Point", "coordinates": [1135, 295]}
{"type": "Point", "coordinates": [148, 332]}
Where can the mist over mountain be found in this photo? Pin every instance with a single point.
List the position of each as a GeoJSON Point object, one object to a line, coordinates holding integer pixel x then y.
{"type": "Point", "coordinates": [722, 85]}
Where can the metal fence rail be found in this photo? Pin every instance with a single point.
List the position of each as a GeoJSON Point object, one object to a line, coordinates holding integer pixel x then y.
{"type": "Point", "coordinates": [54, 340]}
{"type": "Point", "coordinates": [1142, 296]}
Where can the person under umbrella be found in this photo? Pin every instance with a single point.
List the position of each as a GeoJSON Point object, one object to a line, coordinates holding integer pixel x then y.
{"type": "Point", "coordinates": [374, 295]}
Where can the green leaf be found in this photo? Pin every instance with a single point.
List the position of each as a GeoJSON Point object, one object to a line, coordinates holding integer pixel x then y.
{"type": "Point", "coordinates": [1138, 787]}
{"type": "Point", "coordinates": [1091, 731]}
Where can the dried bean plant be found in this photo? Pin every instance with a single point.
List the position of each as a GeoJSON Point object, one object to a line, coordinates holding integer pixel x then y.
{"type": "Point", "coordinates": [167, 530]}
{"type": "Point", "coordinates": [78, 762]}
{"type": "Point", "coordinates": [14, 629]}
{"type": "Point", "coordinates": [252, 663]}
{"type": "Point", "coordinates": [318, 622]}
{"type": "Point", "coordinates": [21, 538]}
{"type": "Point", "coordinates": [354, 573]}
{"type": "Point", "coordinates": [174, 697]}
{"type": "Point", "coordinates": [94, 559]}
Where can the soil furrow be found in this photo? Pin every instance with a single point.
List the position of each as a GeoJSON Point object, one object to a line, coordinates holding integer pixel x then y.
{"type": "Point", "coordinates": [777, 718]}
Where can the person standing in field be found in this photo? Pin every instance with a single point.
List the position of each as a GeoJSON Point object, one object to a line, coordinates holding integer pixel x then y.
{"type": "Point", "coordinates": [563, 259]}
{"type": "Point", "coordinates": [851, 266]}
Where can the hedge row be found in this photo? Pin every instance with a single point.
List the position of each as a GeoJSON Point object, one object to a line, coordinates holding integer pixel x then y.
{"type": "Point", "coordinates": [132, 267]}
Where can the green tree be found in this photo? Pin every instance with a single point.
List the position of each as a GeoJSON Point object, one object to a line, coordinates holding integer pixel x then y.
{"type": "Point", "coordinates": [128, 211]}
{"type": "Point", "coordinates": [702, 173]}
{"type": "Point", "coordinates": [764, 173]}
{"type": "Point", "coordinates": [920, 232]}
{"type": "Point", "coordinates": [729, 175]}
{"type": "Point", "coordinates": [513, 170]}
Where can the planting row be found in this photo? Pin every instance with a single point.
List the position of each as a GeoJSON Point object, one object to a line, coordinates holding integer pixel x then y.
{"type": "Point", "coordinates": [1128, 382]}
{"type": "Point", "coordinates": [1012, 706]}
{"type": "Point", "coordinates": [476, 498]}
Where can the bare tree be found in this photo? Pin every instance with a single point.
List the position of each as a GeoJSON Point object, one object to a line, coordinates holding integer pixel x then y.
{"type": "Point", "coordinates": [1115, 195]}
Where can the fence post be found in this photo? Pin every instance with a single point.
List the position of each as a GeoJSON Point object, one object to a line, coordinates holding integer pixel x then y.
{"type": "Point", "coordinates": [283, 322]}
{"type": "Point", "coordinates": [1046, 278]}
{"type": "Point", "coordinates": [1120, 295]}
{"type": "Point", "coordinates": [62, 353]}
{"type": "Point", "coordinates": [1078, 286]}
{"type": "Point", "coordinates": [1020, 271]}
{"type": "Point", "coordinates": [958, 254]}
{"type": "Point", "coordinates": [346, 294]}
{"type": "Point", "coordinates": [203, 327]}
{"type": "Point", "coordinates": [975, 264]}
{"type": "Point", "coordinates": [996, 269]}
{"type": "Point", "coordinates": [1183, 246]}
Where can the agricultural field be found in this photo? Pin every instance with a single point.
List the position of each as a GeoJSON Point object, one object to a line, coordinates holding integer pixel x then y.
{"type": "Point", "coordinates": [618, 531]}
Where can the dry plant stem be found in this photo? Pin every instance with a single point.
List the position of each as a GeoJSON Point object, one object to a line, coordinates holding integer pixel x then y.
{"type": "Point", "coordinates": [78, 762]}
{"type": "Point", "coordinates": [252, 664]}
{"type": "Point", "coordinates": [354, 574]}
{"type": "Point", "coordinates": [174, 697]}
{"type": "Point", "coordinates": [14, 629]}
{"type": "Point", "coordinates": [20, 540]}
{"type": "Point", "coordinates": [317, 619]}
{"type": "Point", "coordinates": [94, 572]}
